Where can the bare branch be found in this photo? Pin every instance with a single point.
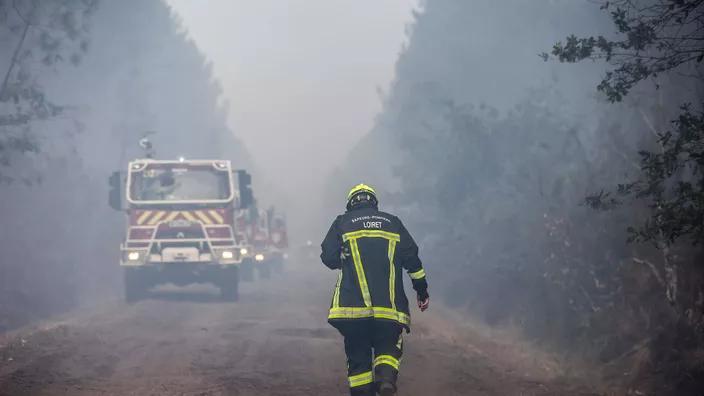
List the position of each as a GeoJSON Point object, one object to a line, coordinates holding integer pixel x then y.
{"type": "Point", "coordinates": [653, 270]}
{"type": "Point", "coordinates": [19, 13]}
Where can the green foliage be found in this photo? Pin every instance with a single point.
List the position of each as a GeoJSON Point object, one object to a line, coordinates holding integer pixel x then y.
{"type": "Point", "coordinates": [672, 183]}
{"type": "Point", "coordinates": [654, 37]}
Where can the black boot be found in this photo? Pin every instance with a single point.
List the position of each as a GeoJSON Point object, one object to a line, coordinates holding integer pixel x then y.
{"type": "Point", "coordinates": [387, 389]}
{"type": "Point", "coordinates": [366, 390]}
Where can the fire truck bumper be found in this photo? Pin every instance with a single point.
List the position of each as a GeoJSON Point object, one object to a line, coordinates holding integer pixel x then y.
{"type": "Point", "coordinates": [187, 256]}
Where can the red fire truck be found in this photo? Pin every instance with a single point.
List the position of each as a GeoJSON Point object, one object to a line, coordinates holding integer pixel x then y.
{"type": "Point", "coordinates": [253, 231]}
{"type": "Point", "coordinates": [243, 233]}
{"type": "Point", "coordinates": [260, 241]}
{"type": "Point", "coordinates": [180, 223]}
{"type": "Point", "coordinates": [278, 239]}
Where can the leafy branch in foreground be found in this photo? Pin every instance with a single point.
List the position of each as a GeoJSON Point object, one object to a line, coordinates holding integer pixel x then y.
{"type": "Point", "coordinates": [672, 184]}
{"type": "Point", "coordinates": [654, 37]}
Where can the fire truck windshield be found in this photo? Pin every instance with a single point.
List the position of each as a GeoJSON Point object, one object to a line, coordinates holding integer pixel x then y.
{"type": "Point", "coordinates": [179, 183]}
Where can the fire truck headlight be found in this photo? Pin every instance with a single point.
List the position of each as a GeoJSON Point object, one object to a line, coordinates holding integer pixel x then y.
{"type": "Point", "coordinates": [133, 256]}
{"type": "Point", "coordinates": [244, 251]}
{"type": "Point", "coordinates": [227, 255]}
{"type": "Point", "coordinates": [259, 257]}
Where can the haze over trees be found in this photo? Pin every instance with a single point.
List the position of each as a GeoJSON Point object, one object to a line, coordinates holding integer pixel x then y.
{"type": "Point", "coordinates": [39, 36]}
{"type": "Point", "coordinates": [496, 159]}
{"type": "Point", "coordinates": [549, 164]}
{"type": "Point", "coordinates": [656, 40]}
{"type": "Point", "coordinates": [90, 80]}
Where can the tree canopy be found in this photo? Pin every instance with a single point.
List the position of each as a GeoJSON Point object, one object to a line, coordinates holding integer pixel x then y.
{"type": "Point", "coordinates": [654, 38]}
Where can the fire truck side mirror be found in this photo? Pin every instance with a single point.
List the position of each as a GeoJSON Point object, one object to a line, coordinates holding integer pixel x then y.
{"type": "Point", "coordinates": [246, 196]}
{"type": "Point", "coordinates": [115, 195]}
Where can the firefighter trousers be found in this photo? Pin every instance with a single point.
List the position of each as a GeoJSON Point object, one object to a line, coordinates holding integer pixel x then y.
{"type": "Point", "coordinates": [374, 349]}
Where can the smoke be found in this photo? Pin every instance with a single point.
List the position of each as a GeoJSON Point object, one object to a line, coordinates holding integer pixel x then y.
{"type": "Point", "coordinates": [140, 74]}
{"type": "Point", "coordinates": [485, 150]}
{"type": "Point", "coordinates": [198, 81]}
{"type": "Point", "coordinates": [302, 81]}
{"type": "Point", "coordinates": [487, 154]}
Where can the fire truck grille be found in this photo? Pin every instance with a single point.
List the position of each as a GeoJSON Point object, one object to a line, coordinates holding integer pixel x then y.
{"type": "Point", "coordinates": [179, 233]}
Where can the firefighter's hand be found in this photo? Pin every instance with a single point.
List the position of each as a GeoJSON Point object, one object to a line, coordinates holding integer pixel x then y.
{"type": "Point", "coordinates": [423, 304]}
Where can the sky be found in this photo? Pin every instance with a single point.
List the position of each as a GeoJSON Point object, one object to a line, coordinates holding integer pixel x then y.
{"type": "Point", "coordinates": [301, 77]}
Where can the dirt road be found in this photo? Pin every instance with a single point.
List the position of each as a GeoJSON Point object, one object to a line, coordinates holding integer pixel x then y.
{"type": "Point", "coordinates": [275, 341]}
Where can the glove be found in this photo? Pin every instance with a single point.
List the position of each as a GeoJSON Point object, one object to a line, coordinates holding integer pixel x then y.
{"type": "Point", "coordinates": [423, 300]}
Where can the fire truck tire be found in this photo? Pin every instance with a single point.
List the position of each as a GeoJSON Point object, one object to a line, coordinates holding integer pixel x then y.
{"type": "Point", "coordinates": [135, 286]}
{"type": "Point", "coordinates": [229, 284]}
{"type": "Point", "coordinates": [247, 270]}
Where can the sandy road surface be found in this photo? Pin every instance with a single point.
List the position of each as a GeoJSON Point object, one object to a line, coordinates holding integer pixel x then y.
{"type": "Point", "coordinates": [275, 341]}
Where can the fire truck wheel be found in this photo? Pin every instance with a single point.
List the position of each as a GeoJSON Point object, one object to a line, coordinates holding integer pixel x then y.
{"type": "Point", "coordinates": [135, 286]}
{"type": "Point", "coordinates": [229, 284]}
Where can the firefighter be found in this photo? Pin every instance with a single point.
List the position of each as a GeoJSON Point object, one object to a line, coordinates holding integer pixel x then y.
{"type": "Point", "coordinates": [369, 306]}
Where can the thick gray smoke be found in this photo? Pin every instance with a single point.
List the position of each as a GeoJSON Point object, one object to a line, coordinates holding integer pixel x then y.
{"type": "Point", "coordinates": [489, 153]}
{"type": "Point", "coordinates": [140, 74]}
{"type": "Point", "coordinates": [486, 150]}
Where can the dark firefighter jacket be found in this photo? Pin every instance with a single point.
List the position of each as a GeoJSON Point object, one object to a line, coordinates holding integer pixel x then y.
{"type": "Point", "coordinates": [371, 248]}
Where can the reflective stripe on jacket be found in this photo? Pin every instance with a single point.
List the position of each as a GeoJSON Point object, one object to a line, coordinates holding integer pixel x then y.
{"type": "Point", "coordinates": [371, 248]}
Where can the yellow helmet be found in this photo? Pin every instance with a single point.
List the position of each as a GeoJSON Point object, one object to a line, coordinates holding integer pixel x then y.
{"type": "Point", "coordinates": [361, 192]}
